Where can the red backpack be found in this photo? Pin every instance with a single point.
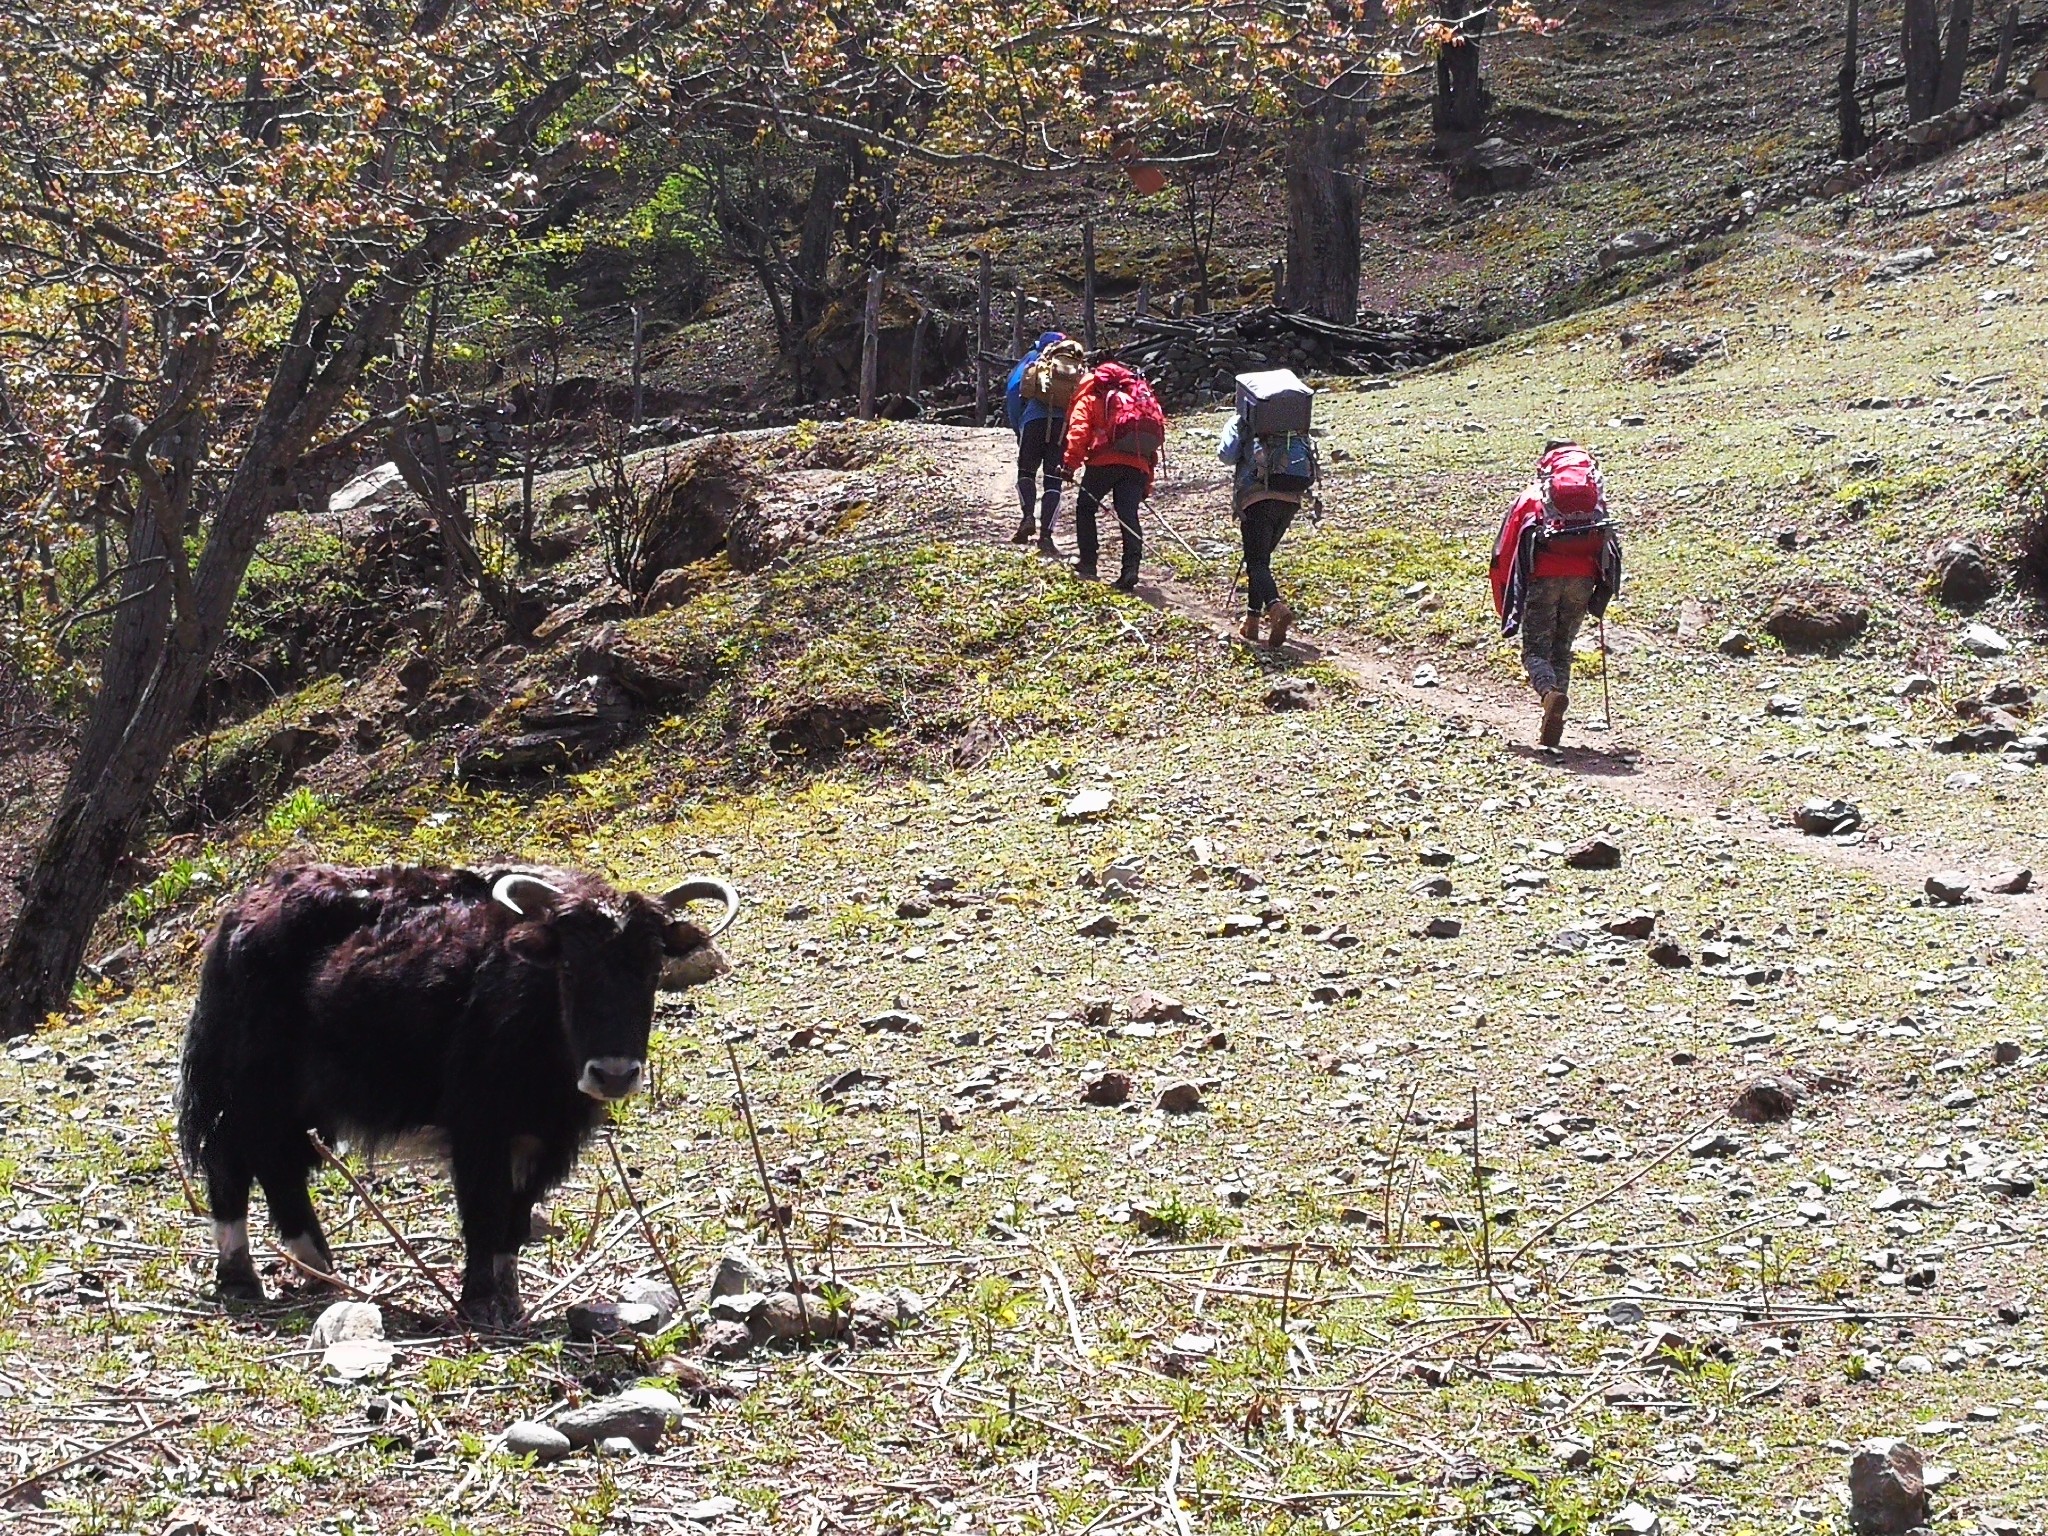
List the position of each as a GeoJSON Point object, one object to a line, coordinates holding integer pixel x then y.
{"type": "Point", "coordinates": [1132, 421]}
{"type": "Point", "coordinates": [1574, 503]}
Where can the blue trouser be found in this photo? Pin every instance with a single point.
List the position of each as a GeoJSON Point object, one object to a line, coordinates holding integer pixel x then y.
{"type": "Point", "coordinates": [1039, 447]}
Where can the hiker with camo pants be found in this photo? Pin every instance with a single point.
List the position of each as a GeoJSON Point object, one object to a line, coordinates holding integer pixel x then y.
{"type": "Point", "coordinates": [1557, 559]}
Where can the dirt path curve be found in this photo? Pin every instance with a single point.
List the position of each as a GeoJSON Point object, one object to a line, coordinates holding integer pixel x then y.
{"type": "Point", "coordinates": [1648, 776]}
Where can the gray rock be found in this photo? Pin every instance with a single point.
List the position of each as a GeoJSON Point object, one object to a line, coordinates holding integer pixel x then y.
{"type": "Point", "coordinates": [1181, 1098]}
{"type": "Point", "coordinates": [347, 1320]}
{"type": "Point", "coordinates": [786, 1317]}
{"type": "Point", "coordinates": [1712, 1144]}
{"type": "Point", "coordinates": [1293, 693]}
{"type": "Point", "coordinates": [1088, 805]}
{"type": "Point", "coordinates": [1634, 245]}
{"type": "Point", "coordinates": [1669, 954]}
{"type": "Point", "coordinates": [608, 1319]}
{"type": "Point", "coordinates": [1948, 888]}
{"type": "Point", "coordinates": [1983, 640]}
{"type": "Point", "coordinates": [1737, 642]}
{"type": "Point", "coordinates": [1765, 1100]}
{"type": "Point", "coordinates": [1493, 165]}
{"type": "Point", "coordinates": [1785, 704]}
{"type": "Point", "coordinates": [2010, 882]}
{"type": "Point", "coordinates": [543, 1442]}
{"type": "Point", "coordinates": [1595, 853]}
{"type": "Point", "coordinates": [1913, 685]}
{"type": "Point", "coordinates": [1108, 1089]}
{"type": "Point", "coordinates": [1887, 1489]}
{"type": "Point", "coordinates": [1432, 885]}
{"type": "Point", "coordinates": [738, 1271]}
{"type": "Point", "coordinates": [1977, 738]}
{"type": "Point", "coordinates": [876, 1315]}
{"type": "Point", "coordinates": [1827, 818]}
{"type": "Point", "coordinates": [1638, 924]}
{"type": "Point", "coordinates": [1102, 925]}
{"type": "Point", "coordinates": [893, 1022]}
{"type": "Point", "coordinates": [1441, 928]}
{"type": "Point", "coordinates": [726, 1340]}
{"type": "Point", "coordinates": [658, 1295]}
{"type": "Point", "coordinates": [1903, 264]}
{"type": "Point", "coordinates": [1963, 576]}
{"type": "Point", "coordinates": [642, 1416]}
{"type": "Point", "coordinates": [619, 1445]}
{"type": "Point", "coordinates": [1802, 623]}
{"type": "Point", "coordinates": [737, 1306]}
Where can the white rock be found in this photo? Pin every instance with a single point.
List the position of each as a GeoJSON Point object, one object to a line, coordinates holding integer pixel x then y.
{"type": "Point", "coordinates": [371, 487]}
{"type": "Point", "coordinates": [543, 1442]}
{"type": "Point", "coordinates": [1087, 805]}
{"type": "Point", "coordinates": [357, 1359]}
{"type": "Point", "coordinates": [348, 1320]}
{"type": "Point", "coordinates": [1983, 640]}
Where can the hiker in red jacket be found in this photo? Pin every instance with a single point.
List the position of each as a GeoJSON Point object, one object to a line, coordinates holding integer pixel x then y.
{"type": "Point", "coordinates": [1557, 559]}
{"type": "Point", "coordinates": [1115, 430]}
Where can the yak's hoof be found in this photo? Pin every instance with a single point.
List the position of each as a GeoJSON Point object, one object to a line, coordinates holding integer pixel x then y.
{"type": "Point", "coordinates": [237, 1282]}
{"type": "Point", "coordinates": [494, 1311]}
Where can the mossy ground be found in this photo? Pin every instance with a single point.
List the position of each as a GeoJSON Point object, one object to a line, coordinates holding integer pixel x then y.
{"type": "Point", "coordinates": [1382, 1359]}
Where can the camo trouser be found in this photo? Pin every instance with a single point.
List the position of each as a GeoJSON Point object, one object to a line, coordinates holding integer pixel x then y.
{"type": "Point", "coordinates": [1550, 623]}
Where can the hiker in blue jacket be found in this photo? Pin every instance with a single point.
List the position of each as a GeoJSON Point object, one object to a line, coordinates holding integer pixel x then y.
{"type": "Point", "coordinates": [1039, 420]}
{"type": "Point", "coordinates": [1263, 513]}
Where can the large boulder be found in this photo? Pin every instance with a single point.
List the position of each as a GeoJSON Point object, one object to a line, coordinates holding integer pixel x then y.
{"type": "Point", "coordinates": [1635, 245]}
{"type": "Point", "coordinates": [1802, 622]}
{"type": "Point", "coordinates": [1887, 1489]}
{"type": "Point", "coordinates": [1963, 576]}
{"type": "Point", "coordinates": [570, 727]}
{"type": "Point", "coordinates": [1492, 166]}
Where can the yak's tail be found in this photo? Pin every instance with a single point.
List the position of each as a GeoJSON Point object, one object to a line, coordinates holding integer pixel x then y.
{"type": "Point", "coordinates": [213, 1045]}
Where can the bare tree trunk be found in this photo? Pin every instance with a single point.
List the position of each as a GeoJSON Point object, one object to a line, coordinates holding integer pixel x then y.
{"type": "Point", "coordinates": [1322, 216]}
{"type": "Point", "coordinates": [1955, 54]}
{"type": "Point", "coordinates": [870, 344]}
{"type": "Point", "coordinates": [2008, 39]}
{"type": "Point", "coordinates": [1920, 51]}
{"type": "Point", "coordinates": [1850, 141]}
{"type": "Point", "coordinates": [104, 802]}
{"type": "Point", "coordinates": [1461, 96]}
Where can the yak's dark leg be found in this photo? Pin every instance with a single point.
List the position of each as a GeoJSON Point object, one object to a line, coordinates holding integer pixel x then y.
{"type": "Point", "coordinates": [291, 1211]}
{"type": "Point", "coordinates": [484, 1195]}
{"type": "Point", "coordinates": [227, 1195]}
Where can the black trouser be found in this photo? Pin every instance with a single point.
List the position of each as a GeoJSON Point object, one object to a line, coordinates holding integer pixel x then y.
{"type": "Point", "coordinates": [1039, 446]}
{"type": "Point", "coordinates": [1263, 523]}
{"type": "Point", "coordinates": [1125, 486]}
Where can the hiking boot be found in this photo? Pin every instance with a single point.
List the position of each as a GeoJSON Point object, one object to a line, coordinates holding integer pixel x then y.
{"type": "Point", "coordinates": [1553, 717]}
{"type": "Point", "coordinates": [1047, 548]}
{"type": "Point", "coordinates": [1279, 616]}
{"type": "Point", "coordinates": [1126, 579]}
{"type": "Point", "coordinates": [1248, 631]}
{"type": "Point", "coordinates": [1024, 530]}
{"type": "Point", "coordinates": [1085, 569]}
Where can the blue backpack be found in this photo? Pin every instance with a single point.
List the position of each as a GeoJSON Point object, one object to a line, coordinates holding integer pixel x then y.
{"type": "Point", "coordinates": [1277, 461]}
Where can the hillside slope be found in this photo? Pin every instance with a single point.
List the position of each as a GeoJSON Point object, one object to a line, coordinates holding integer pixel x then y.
{"type": "Point", "coordinates": [1305, 1131]}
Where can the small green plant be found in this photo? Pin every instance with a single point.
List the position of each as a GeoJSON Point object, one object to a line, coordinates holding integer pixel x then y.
{"type": "Point", "coordinates": [144, 905]}
{"type": "Point", "coordinates": [293, 814]}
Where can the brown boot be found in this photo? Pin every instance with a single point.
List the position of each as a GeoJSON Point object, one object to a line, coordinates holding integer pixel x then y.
{"type": "Point", "coordinates": [1279, 616]}
{"type": "Point", "coordinates": [1248, 631]}
{"type": "Point", "coordinates": [1553, 717]}
{"type": "Point", "coordinates": [1025, 530]}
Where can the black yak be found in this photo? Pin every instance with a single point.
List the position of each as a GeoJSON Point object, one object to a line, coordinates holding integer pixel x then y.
{"type": "Point", "coordinates": [496, 1011]}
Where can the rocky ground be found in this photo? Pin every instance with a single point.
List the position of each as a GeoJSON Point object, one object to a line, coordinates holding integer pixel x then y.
{"type": "Point", "coordinates": [1205, 1089]}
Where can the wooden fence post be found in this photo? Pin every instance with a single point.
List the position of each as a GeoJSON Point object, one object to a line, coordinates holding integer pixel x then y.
{"type": "Point", "coordinates": [1088, 284]}
{"type": "Point", "coordinates": [981, 348]}
{"type": "Point", "coordinates": [924, 320]}
{"type": "Point", "coordinates": [639, 354]}
{"type": "Point", "coordinates": [870, 344]}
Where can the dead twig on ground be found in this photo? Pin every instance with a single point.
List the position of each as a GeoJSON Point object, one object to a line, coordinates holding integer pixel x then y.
{"type": "Point", "coordinates": [1614, 1189]}
{"type": "Point", "coordinates": [329, 1157]}
{"type": "Point", "coordinates": [761, 1166]}
{"type": "Point", "coordinates": [93, 1454]}
{"type": "Point", "coordinates": [611, 1143]}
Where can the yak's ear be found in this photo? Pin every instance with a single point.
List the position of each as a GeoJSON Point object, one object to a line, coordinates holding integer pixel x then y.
{"type": "Point", "coordinates": [681, 938]}
{"type": "Point", "coordinates": [535, 943]}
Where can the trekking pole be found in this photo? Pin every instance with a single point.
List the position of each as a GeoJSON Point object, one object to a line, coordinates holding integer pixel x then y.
{"type": "Point", "coordinates": [1606, 704]}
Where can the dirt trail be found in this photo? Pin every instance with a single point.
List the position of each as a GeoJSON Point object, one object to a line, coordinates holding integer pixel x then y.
{"type": "Point", "coordinates": [1647, 775]}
